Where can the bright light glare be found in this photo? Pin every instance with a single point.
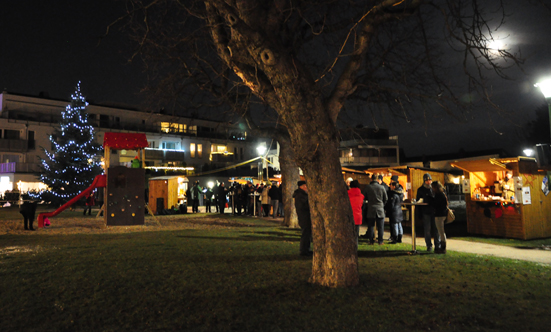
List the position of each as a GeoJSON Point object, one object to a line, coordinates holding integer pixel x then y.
{"type": "Point", "coordinates": [261, 149]}
{"type": "Point", "coordinates": [210, 184]}
{"type": "Point", "coordinates": [545, 87]}
{"type": "Point", "coordinates": [528, 152]}
{"type": "Point", "coordinates": [496, 45]}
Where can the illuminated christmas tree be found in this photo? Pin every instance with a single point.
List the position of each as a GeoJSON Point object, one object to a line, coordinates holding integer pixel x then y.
{"type": "Point", "coordinates": [73, 163]}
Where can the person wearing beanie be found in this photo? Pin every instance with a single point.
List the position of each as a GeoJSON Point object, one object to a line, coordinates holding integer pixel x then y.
{"type": "Point", "coordinates": [304, 221]}
{"type": "Point", "coordinates": [427, 213]}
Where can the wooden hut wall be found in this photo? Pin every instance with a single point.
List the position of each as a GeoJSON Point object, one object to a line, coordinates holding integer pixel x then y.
{"type": "Point", "coordinates": [536, 216]}
{"type": "Point", "coordinates": [172, 193]}
{"type": "Point", "coordinates": [416, 177]}
{"type": "Point", "coordinates": [157, 188]}
{"type": "Point", "coordinates": [482, 219]}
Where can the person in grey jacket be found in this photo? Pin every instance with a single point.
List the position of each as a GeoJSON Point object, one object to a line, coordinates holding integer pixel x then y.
{"type": "Point", "coordinates": [376, 199]}
{"type": "Point", "coordinates": [304, 221]}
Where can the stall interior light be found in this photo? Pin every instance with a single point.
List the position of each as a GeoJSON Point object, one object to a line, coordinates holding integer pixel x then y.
{"type": "Point", "coordinates": [545, 87]}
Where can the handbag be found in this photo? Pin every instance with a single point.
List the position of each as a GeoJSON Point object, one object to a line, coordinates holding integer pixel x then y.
{"type": "Point", "coordinates": [451, 217]}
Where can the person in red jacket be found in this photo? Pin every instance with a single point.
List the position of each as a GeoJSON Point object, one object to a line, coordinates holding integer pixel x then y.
{"type": "Point", "coordinates": [356, 201]}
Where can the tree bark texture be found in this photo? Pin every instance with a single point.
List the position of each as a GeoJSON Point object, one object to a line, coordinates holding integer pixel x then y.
{"type": "Point", "coordinates": [290, 176]}
{"type": "Point", "coordinates": [281, 81]}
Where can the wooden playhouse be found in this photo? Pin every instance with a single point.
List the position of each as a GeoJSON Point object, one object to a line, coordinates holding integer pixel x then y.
{"type": "Point", "coordinates": [504, 198]}
{"type": "Point", "coordinates": [167, 191]}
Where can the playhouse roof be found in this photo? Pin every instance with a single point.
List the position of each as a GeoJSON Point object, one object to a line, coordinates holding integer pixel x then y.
{"type": "Point", "coordinates": [125, 141]}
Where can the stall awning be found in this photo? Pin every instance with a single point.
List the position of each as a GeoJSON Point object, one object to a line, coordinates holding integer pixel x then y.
{"type": "Point", "coordinates": [481, 165]}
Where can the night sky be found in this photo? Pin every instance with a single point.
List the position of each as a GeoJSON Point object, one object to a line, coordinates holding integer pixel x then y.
{"type": "Point", "coordinates": [48, 46]}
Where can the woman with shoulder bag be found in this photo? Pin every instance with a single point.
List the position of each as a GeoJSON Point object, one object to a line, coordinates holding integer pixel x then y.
{"type": "Point", "coordinates": [440, 204]}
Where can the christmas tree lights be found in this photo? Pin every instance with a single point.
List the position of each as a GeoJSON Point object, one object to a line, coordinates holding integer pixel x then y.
{"type": "Point", "coordinates": [71, 167]}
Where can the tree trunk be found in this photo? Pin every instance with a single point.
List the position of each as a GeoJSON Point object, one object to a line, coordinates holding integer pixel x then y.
{"type": "Point", "coordinates": [335, 262]}
{"type": "Point", "coordinates": [290, 175]}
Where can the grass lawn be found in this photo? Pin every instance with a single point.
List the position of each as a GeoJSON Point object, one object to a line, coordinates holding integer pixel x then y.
{"type": "Point", "coordinates": [206, 273]}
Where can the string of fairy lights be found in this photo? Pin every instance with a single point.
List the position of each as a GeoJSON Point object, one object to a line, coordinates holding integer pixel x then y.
{"type": "Point", "coordinates": [73, 152]}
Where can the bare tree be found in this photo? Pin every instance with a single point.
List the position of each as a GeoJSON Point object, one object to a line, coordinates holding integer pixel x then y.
{"type": "Point", "coordinates": [308, 60]}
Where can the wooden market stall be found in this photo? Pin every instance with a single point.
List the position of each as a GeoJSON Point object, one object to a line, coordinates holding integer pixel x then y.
{"type": "Point", "coordinates": [167, 191]}
{"type": "Point", "coordinates": [504, 198]}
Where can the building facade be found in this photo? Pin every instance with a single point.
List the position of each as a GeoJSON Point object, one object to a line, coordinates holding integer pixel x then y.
{"type": "Point", "coordinates": [26, 123]}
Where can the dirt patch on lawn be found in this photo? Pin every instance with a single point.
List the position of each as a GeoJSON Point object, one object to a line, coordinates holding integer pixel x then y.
{"type": "Point", "coordinates": [93, 225]}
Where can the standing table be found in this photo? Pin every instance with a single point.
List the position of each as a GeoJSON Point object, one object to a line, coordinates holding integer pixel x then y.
{"type": "Point", "coordinates": [413, 237]}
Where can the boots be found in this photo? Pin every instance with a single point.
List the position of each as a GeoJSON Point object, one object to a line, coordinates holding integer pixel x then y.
{"type": "Point", "coordinates": [442, 249]}
{"type": "Point", "coordinates": [399, 239]}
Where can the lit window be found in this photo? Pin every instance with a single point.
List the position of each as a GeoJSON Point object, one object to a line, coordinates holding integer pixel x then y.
{"type": "Point", "coordinates": [192, 150]}
{"type": "Point", "coordinates": [200, 150]}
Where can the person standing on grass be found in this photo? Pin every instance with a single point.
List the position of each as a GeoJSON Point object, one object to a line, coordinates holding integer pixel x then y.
{"type": "Point", "coordinates": [356, 201]}
{"type": "Point", "coordinates": [221, 197]}
{"type": "Point", "coordinates": [265, 201]}
{"type": "Point", "coordinates": [394, 211]}
{"type": "Point", "coordinates": [427, 213]}
{"type": "Point", "coordinates": [208, 200]}
{"type": "Point", "coordinates": [376, 200]}
{"type": "Point", "coordinates": [440, 205]}
{"type": "Point", "coordinates": [274, 198]}
{"type": "Point", "coordinates": [304, 221]}
{"type": "Point", "coordinates": [195, 193]}
{"type": "Point", "coordinates": [89, 203]}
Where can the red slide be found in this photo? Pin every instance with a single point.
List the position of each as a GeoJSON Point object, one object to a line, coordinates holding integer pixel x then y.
{"type": "Point", "coordinates": [99, 182]}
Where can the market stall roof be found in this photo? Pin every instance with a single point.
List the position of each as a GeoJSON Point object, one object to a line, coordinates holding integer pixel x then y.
{"type": "Point", "coordinates": [168, 177]}
{"type": "Point", "coordinates": [125, 141]}
{"type": "Point", "coordinates": [483, 165]}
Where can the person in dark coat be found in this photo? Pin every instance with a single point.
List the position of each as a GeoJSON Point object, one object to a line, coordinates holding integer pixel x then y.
{"type": "Point", "coordinates": [221, 197]}
{"type": "Point", "coordinates": [376, 200]}
{"type": "Point", "coordinates": [394, 211]}
{"type": "Point", "coordinates": [440, 204]}
{"type": "Point", "coordinates": [196, 191]}
{"type": "Point", "coordinates": [208, 199]}
{"type": "Point", "coordinates": [27, 210]}
{"type": "Point", "coordinates": [427, 213]}
{"type": "Point", "coordinates": [274, 194]}
{"type": "Point", "coordinates": [303, 213]}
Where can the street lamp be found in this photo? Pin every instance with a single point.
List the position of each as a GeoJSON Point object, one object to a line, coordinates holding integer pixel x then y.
{"type": "Point", "coordinates": [528, 152]}
{"type": "Point", "coordinates": [545, 87]}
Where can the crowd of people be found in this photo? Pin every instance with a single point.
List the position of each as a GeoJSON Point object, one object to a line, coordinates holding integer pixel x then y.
{"type": "Point", "coordinates": [243, 199]}
{"type": "Point", "coordinates": [379, 200]}
{"type": "Point", "coordinates": [370, 206]}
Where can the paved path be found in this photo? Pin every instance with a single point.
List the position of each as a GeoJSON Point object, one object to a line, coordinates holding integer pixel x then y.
{"type": "Point", "coordinates": [526, 254]}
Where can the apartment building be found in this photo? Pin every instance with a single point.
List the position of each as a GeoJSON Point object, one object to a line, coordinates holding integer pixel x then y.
{"type": "Point", "coordinates": [26, 122]}
{"type": "Point", "coordinates": [367, 147]}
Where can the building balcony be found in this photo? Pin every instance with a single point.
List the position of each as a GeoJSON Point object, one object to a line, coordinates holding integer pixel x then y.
{"type": "Point", "coordinates": [369, 161]}
{"type": "Point", "coordinates": [14, 145]}
{"type": "Point", "coordinates": [164, 155]}
{"type": "Point", "coordinates": [16, 167]}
